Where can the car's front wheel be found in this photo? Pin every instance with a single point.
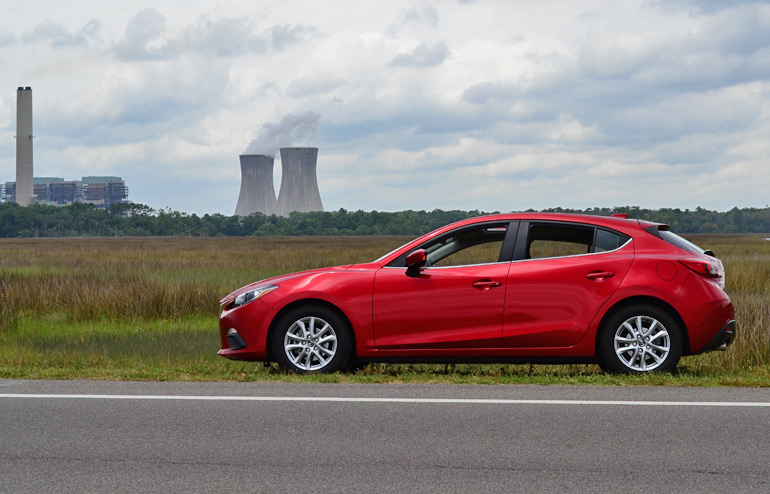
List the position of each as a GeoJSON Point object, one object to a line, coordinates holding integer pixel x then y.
{"type": "Point", "coordinates": [312, 339]}
{"type": "Point", "coordinates": [640, 339]}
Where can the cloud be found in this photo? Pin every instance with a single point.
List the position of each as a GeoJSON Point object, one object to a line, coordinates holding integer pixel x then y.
{"type": "Point", "coordinates": [483, 92]}
{"type": "Point", "coordinates": [564, 104]}
{"type": "Point", "coordinates": [57, 35]}
{"type": "Point", "coordinates": [147, 38]}
{"type": "Point", "coordinates": [706, 6]}
{"type": "Point", "coordinates": [313, 85]}
{"type": "Point", "coordinates": [143, 39]}
{"type": "Point", "coordinates": [222, 37]}
{"type": "Point", "coordinates": [419, 17]}
{"type": "Point", "coordinates": [284, 35]}
{"type": "Point", "coordinates": [425, 14]}
{"type": "Point", "coordinates": [7, 40]}
{"type": "Point", "coordinates": [425, 55]}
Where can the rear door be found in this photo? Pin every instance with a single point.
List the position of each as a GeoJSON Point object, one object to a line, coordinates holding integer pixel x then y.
{"type": "Point", "coordinates": [561, 276]}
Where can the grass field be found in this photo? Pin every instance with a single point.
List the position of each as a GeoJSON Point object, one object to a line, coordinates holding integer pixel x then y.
{"type": "Point", "coordinates": [147, 308]}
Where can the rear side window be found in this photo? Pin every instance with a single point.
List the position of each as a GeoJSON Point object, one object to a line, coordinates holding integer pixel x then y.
{"type": "Point", "coordinates": [558, 241]}
{"type": "Point", "coordinates": [561, 240]}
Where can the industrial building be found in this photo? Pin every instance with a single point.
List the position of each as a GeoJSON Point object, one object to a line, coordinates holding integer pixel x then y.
{"type": "Point", "coordinates": [27, 189]}
{"type": "Point", "coordinates": [99, 191]}
{"type": "Point", "coordinates": [299, 184]}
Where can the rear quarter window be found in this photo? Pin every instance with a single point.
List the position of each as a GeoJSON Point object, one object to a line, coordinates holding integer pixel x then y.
{"type": "Point", "coordinates": [674, 239]}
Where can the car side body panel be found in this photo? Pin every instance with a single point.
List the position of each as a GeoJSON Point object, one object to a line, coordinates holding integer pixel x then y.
{"type": "Point", "coordinates": [551, 302]}
{"type": "Point", "coordinates": [440, 308]}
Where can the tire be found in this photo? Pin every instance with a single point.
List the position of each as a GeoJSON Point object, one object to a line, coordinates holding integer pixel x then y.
{"type": "Point", "coordinates": [311, 340]}
{"type": "Point", "coordinates": [640, 339]}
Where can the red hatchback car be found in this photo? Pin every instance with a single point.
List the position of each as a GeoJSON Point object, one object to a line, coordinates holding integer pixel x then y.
{"type": "Point", "coordinates": [626, 294]}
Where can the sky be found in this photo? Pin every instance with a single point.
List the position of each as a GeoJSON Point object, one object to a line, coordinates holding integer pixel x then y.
{"type": "Point", "coordinates": [491, 105]}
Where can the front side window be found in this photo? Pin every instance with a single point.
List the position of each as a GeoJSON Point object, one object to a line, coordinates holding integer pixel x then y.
{"type": "Point", "coordinates": [466, 246]}
{"type": "Point", "coordinates": [476, 246]}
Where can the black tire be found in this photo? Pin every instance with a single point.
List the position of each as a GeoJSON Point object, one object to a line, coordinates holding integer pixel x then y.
{"type": "Point", "coordinates": [640, 339]}
{"type": "Point", "coordinates": [312, 339]}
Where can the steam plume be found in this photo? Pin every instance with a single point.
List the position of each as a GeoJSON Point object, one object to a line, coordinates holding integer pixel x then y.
{"type": "Point", "coordinates": [293, 129]}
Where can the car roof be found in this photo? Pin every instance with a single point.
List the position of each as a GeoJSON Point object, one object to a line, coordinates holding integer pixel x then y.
{"type": "Point", "coordinates": [613, 222]}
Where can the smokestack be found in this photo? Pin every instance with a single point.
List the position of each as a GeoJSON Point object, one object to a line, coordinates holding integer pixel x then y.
{"type": "Point", "coordinates": [299, 186]}
{"type": "Point", "coordinates": [257, 192]}
{"type": "Point", "coordinates": [24, 181]}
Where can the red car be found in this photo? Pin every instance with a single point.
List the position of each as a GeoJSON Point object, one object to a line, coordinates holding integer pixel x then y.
{"type": "Point", "coordinates": [627, 294]}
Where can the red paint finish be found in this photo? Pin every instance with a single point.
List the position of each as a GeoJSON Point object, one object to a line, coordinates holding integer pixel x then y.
{"type": "Point", "coordinates": [667, 270]}
{"type": "Point", "coordinates": [442, 308]}
{"type": "Point", "coordinates": [551, 302]}
{"type": "Point", "coordinates": [512, 306]}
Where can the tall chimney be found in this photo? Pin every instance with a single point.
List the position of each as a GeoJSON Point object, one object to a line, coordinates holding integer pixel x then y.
{"type": "Point", "coordinates": [257, 191]}
{"type": "Point", "coordinates": [299, 185]}
{"type": "Point", "coordinates": [24, 180]}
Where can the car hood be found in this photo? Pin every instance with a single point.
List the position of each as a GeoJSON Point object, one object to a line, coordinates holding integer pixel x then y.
{"type": "Point", "coordinates": [276, 280]}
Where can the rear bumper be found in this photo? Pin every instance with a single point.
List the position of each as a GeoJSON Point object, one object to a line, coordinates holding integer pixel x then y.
{"type": "Point", "coordinates": [722, 339]}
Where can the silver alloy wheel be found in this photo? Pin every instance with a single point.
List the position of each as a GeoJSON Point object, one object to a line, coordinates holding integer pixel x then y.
{"type": "Point", "coordinates": [310, 343]}
{"type": "Point", "coordinates": [642, 343]}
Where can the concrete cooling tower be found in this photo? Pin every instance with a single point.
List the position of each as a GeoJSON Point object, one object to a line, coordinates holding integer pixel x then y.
{"type": "Point", "coordinates": [257, 192]}
{"type": "Point", "coordinates": [24, 180]}
{"type": "Point", "coordinates": [299, 185]}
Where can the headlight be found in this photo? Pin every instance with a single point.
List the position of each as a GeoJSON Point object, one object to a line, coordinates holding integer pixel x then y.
{"type": "Point", "coordinates": [250, 296]}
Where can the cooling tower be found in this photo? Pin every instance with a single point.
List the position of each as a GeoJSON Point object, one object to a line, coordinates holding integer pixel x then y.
{"type": "Point", "coordinates": [299, 186]}
{"type": "Point", "coordinates": [24, 182]}
{"type": "Point", "coordinates": [257, 192]}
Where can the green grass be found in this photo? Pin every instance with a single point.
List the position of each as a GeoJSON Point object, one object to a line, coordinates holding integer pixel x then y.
{"type": "Point", "coordinates": [146, 309]}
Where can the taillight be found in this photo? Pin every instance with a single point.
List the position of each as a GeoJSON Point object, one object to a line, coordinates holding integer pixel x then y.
{"type": "Point", "coordinates": [709, 269]}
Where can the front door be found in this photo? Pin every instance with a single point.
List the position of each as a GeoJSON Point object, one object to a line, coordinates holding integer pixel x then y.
{"type": "Point", "coordinates": [456, 301]}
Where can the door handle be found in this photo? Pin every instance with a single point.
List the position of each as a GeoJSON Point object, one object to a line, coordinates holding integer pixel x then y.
{"type": "Point", "coordinates": [599, 275]}
{"type": "Point", "coordinates": [485, 284]}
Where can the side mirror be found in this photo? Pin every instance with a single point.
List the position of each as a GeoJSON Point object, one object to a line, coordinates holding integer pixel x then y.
{"type": "Point", "coordinates": [414, 261]}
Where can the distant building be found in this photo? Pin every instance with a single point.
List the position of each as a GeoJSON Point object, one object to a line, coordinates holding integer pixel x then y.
{"type": "Point", "coordinates": [99, 191]}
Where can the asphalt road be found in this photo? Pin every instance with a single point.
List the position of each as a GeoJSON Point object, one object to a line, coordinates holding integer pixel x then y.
{"type": "Point", "coordinates": [74, 436]}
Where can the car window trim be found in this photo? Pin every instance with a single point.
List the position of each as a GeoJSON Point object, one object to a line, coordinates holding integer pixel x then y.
{"type": "Point", "coordinates": [506, 251]}
{"type": "Point", "coordinates": [523, 237]}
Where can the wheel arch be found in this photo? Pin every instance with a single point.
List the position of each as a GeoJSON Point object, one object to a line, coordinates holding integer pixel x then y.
{"type": "Point", "coordinates": [642, 299]}
{"type": "Point", "coordinates": [302, 303]}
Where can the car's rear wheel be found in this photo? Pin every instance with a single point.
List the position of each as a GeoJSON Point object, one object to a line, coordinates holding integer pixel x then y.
{"type": "Point", "coordinates": [312, 339]}
{"type": "Point", "coordinates": [640, 339]}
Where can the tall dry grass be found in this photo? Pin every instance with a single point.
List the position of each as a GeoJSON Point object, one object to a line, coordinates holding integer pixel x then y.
{"type": "Point", "coordinates": [157, 278]}
{"type": "Point", "coordinates": [747, 265]}
{"type": "Point", "coordinates": [149, 279]}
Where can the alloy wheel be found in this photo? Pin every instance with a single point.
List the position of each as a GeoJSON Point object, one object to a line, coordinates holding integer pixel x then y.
{"type": "Point", "coordinates": [642, 343]}
{"type": "Point", "coordinates": [310, 343]}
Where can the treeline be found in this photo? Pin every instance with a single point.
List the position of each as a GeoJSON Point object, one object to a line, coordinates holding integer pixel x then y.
{"type": "Point", "coordinates": [140, 220]}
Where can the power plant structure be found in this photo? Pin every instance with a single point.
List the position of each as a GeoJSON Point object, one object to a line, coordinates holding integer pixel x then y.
{"type": "Point", "coordinates": [299, 185]}
{"type": "Point", "coordinates": [257, 191]}
{"type": "Point", "coordinates": [24, 137]}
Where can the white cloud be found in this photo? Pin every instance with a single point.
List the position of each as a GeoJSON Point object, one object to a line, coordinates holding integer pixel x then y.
{"type": "Point", "coordinates": [424, 55]}
{"type": "Point", "coordinates": [421, 106]}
